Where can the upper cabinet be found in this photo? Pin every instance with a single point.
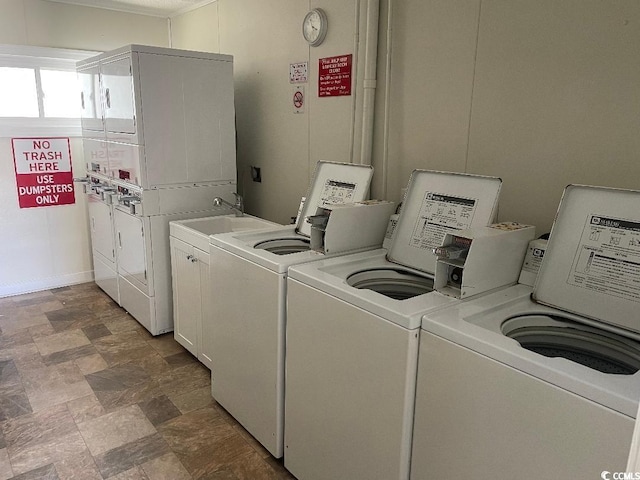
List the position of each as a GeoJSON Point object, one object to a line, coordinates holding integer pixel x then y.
{"type": "Point", "coordinates": [119, 99]}
{"type": "Point", "coordinates": [90, 99]}
{"type": "Point", "coordinates": [166, 115]}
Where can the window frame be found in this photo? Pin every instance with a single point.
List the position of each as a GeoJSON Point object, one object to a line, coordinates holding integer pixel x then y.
{"type": "Point", "coordinates": [39, 58]}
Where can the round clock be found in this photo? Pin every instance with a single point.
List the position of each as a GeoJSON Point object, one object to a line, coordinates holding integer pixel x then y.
{"type": "Point", "coordinates": [314, 27]}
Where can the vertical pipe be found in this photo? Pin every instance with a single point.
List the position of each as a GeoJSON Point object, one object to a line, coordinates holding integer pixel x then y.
{"type": "Point", "coordinates": [369, 82]}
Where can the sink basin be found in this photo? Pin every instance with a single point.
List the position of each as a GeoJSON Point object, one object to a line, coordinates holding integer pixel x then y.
{"type": "Point", "coordinates": [196, 231]}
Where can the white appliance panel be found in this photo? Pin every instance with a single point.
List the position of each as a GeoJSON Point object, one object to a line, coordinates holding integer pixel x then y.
{"type": "Point", "coordinates": [132, 248]}
{"type": "Point", "coordinates": [592, 263]}
{"type": "Point", "coordinates": [489, 419]}
{"type": "Point", "coordinates": [127, 162]}
{"type": "Point", "coordinates": [349, 371]}
{"type": "Point", "coordinates": [117, 85]}
{"type": "Point", "coordinates": [106, 277]}
{"type": "Point", "coordinates": [96, 156]}
{"type": "Point", "coordinates": [101, 224]}
{"type": "Point", "coordinates": [246, 335]}
{"type": "Point", "coordinates": [90, 99]}
{"type": "Point", "coordinates": [437, 203]}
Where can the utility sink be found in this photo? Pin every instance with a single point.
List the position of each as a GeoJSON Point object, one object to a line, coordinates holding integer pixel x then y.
{"type": "Point", "coordinates": [196, 231]}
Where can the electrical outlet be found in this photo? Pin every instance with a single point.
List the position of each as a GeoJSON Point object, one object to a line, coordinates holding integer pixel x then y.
{"type": "Point", "coordinates": [255, 174]}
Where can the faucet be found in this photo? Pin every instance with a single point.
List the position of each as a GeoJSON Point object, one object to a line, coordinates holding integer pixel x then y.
{"type": "Point", "coordinates": [238, 207]}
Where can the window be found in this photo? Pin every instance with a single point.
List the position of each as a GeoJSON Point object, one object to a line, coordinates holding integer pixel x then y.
{"type": "Point", "coordinates": [40, 91]}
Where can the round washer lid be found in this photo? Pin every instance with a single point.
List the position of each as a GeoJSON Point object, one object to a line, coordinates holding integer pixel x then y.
{"type": "Point", "coordinates": [592, 263]}
{"type": "Point", "coordinates": [437, 203]}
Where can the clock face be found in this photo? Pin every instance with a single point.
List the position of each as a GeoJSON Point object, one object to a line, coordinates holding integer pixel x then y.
{"type": "Point", "coordinates": [314, 27]}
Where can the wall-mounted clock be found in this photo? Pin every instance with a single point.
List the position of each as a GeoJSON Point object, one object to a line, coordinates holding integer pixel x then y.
{"type": "Point", "coordinates": [314, 27]}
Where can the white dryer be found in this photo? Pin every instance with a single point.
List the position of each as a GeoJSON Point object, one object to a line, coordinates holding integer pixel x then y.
{"type": "Point", "coordinates": [353, 326]}
{"type": "Point", "coordinates": [246, 327]}
{"type": "Point", "coordinates": [544, 386]}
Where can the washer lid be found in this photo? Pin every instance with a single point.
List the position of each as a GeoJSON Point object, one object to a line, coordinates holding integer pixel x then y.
{"type": "Point", "coordinates": [334, 183]}
{"type": "Point", "coordinates": [592, 263]}
{"type": "Point", "coordinates": [437, 203]}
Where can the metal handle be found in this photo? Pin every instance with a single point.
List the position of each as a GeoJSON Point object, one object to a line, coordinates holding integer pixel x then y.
{"type": "Point", "coordinates": [81, 180]}
{"type": "Point", "coordinates": [119, 239]}
{"type": "Point", "coordinates": [93, 221]}
{"type": "Point", "coordinates": [192, 258]}
{"type": "Point", "coordinates": [108, 97]}
{"type": "Point", "coordinates": [82, 99]}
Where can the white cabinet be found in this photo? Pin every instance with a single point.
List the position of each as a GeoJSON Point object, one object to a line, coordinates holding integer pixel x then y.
{"type": "Point", "coordinates": [167, 115]}
{"type": "Point", "coordinates": [90, 99]}
{"type": "Point", "coordinates": [190, 274]}
{"type": "Point", "coordinates": [118, 92]}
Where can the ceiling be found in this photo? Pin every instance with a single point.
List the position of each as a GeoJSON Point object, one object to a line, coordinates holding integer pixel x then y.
{"type": "Point", "coordinates": [159, 8]}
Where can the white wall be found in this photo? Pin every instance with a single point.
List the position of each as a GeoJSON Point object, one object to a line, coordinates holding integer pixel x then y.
{"type": "Point", "coordinates": [265, 38]}
{"type": "Point", "coordinates": [49, 247]}
{"type": "Point", "coordinates": [541, 93]}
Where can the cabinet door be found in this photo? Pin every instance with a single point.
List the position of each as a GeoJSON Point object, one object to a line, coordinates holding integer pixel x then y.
{"type": "Point", "coordinates": [187, 314]}
{"type": "Point", "coordinates": [205, 304]}
{"type": "Point", "coordinates": [90, 99]}
{"type": "Point", "coordinates": [101, 222]}
{"type": "Point", "coordinates": [119, 104]}
{"type": "Point", "coordinates": [131, 248]}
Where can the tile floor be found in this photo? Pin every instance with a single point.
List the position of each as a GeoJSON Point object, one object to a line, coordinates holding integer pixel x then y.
{"type": "Point", "coordinates": [87, 393]}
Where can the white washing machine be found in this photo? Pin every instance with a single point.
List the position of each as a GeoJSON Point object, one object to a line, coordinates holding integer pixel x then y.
{"type": "Point", "coordinates": [544, 386]}
{"type": "Point", "coordinates": [353, 327]}
{"type": "Point", "coordinates": [247, 322]}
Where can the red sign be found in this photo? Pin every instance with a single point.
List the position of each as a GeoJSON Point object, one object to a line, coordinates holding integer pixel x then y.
{"type": "Point", "coordinates": [43, 171]}
{"type": "Point", "coordinates": [334, 76]}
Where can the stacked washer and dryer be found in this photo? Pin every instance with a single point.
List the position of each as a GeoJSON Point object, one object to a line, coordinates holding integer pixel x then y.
{"type": "Point", "coordinates": [543, 383]}
{"type": "Point", "coordinates": [159, 144]}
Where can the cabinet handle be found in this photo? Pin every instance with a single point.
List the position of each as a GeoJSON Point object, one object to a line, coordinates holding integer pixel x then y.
{"type": "Point", "coordinates": [192, 258]}
{"type": "Point", "coordinates": [108, 98]}
{"type": "Point", "coordinates": [119, 240]}
{"type": "Point", "coordinates": [82, 99]}
{"type": "Point", "coordinates": [93, 220]}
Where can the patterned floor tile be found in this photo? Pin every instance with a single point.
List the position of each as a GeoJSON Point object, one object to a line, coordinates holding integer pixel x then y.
{"type": "Point", "coordinates": [97, 381]}
{"type": "Point", "coordinates": [166, 467]}
{"type": "Point", "coordinates": [80, 466]}
{"type": "Point", "coordinates": [38, 439]}
{"type": "Point", "coordinates": [159, 410]}
{"type": "Point", "coordinates": [115, 429]}
{"type": "Point", "coordinates": [203, 441]}
{"type": "Point", "coordinates": [193, 400]}
{"type": "Point", "coordinates": [48, 472]}
{"type": "Point", "coordinates": [55, 384]}
{"type": "Point", "coordinates": [5, 465]}
{"type": "Point", "coordinates": [128, 456]}
{"type": "Point", "coordinates": [85, 408]}
{"type": "Point", "coordinates": [61, 341]}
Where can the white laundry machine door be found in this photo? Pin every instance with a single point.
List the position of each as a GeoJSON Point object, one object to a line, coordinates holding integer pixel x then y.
{"type": "Point", "coordinates": [350, 390]}
{"type": "Point", "coordinates": [478, 418]}
{"type": "Point", "coordinates": [246, 334]}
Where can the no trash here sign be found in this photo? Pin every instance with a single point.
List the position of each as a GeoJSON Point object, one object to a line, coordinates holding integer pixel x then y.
{"type": "Point", "coordinates": [43, 171]}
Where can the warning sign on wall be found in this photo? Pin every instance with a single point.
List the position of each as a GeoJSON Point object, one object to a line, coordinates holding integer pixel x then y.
{"type": "Point", "coordinates": [334, 76]}
{"type": "Point", "coordinates": [43, 171]}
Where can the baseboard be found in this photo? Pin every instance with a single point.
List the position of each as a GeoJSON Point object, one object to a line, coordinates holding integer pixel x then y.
{"type": "Point", "coordinates": [45, 284]}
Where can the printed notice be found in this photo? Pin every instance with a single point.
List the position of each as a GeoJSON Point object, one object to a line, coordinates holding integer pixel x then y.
{"type": "Point", "coordinates": [441, 214]}
{"type": "Point", "coordinates": [336, 193]}
{"type": "Point", "coordinates": [44, 177]}
{"type": "Point", "coordinates": [608, 258]}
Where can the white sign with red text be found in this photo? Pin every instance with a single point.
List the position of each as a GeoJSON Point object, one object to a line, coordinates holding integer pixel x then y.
{"type": "Point", "coordinates": [44, 176]}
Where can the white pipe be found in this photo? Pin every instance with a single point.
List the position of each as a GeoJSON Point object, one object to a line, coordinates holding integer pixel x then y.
{"type": "Point", "coordinates": [369, 81]}
{"type": "Point", "coordinates": [387, 102]}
